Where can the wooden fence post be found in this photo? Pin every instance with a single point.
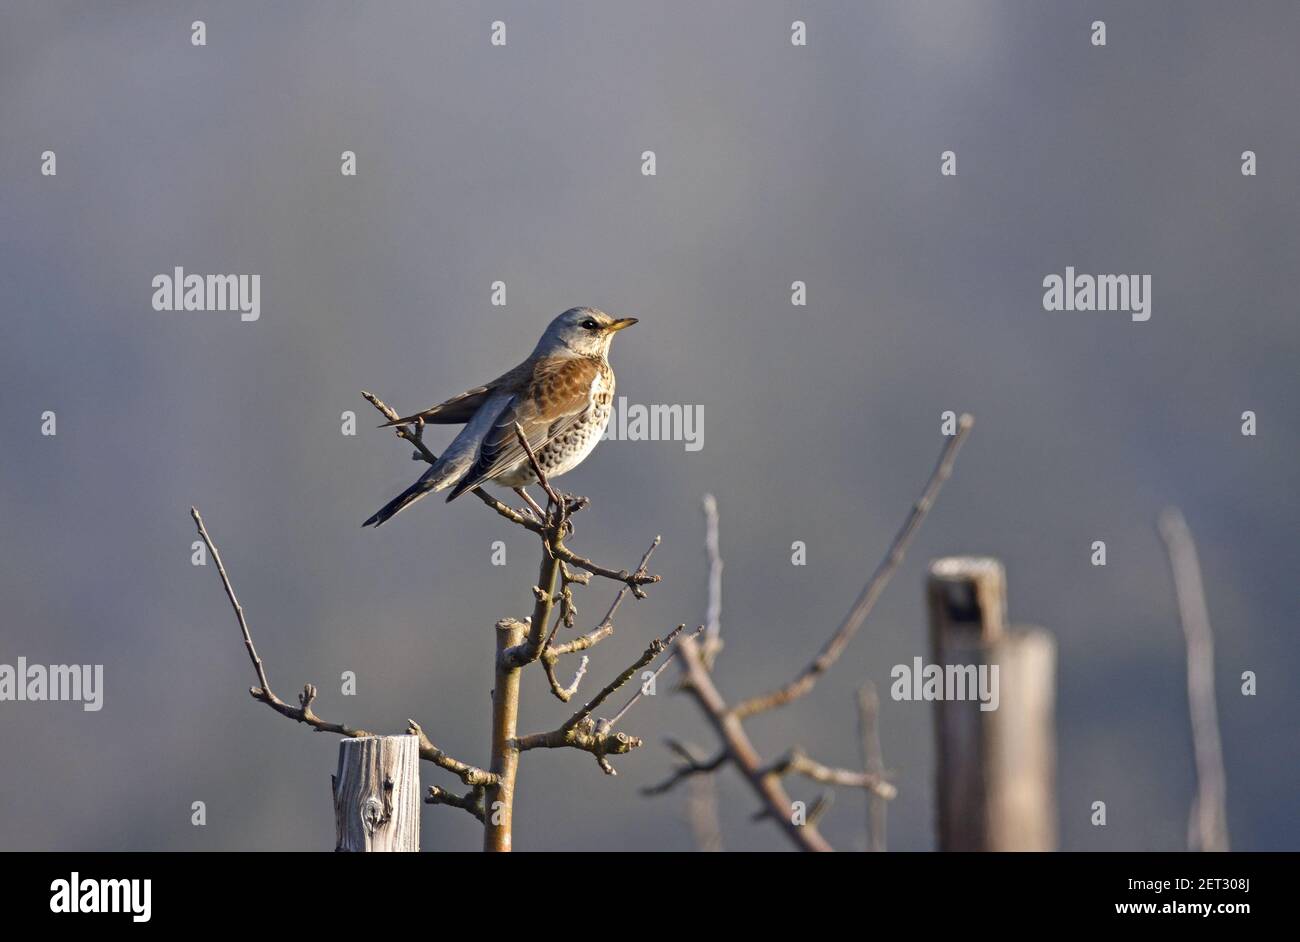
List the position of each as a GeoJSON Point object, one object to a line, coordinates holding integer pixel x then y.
{"type": "Point", "coordinates": [377, 794]}
{"type": "Point", "coordinates": [996, 767]}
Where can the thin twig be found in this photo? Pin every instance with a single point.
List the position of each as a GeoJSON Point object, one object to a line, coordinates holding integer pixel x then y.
{"type": "Point", "coordinates": [580, 643]}
{"type": "Point", "coordinates": [551, 652]}
{"type": "Point", "coordinates": [1207, 828]}
{"type": "Point", "coordinates": [634, 580]}
{"type": "Point", "coordinates": [830, 652]}
{"type": "Point", "coordinates": [303, 713]}
{"type": "Point", "coordinates": [234, 602]}
{"type": "Point", "coordinates": [797, 762]}
{"type": "Point", "coordinates": [712, 643]}
{"type": "Point", "coordinates": [469, 774]}
{"type": "Point", "coordinates": [688, 767]}
{"type": "Point", "coordinates": [641, 690]}
{"type": "Point", "coordinates": [656, 647]}
{"type": "Point", "coordinates": [581, 731]}
{"type": "Point", "coordinates": [563, 693]}
{"type": "Point", "coordinates": [872, 761]}
{"type": "Point", "coordinates": [471, 802]}
{"type": "Point", "coordinates": [776, 802]}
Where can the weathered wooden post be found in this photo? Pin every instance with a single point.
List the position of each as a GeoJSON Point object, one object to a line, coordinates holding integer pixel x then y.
{"type": "Point", "coordinates": [996, 767]}
{"type": "Point", "coordinates": [377, 794]}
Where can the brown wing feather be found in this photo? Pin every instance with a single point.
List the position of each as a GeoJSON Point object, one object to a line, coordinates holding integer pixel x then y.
{"type": "Point", "coordinates": [557, 395]}
{"type": "Point", "coordinates": [460, 409]}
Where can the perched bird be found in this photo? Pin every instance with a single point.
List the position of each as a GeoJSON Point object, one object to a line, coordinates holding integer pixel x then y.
{"type": "Point", "coordinates": [560, 396]}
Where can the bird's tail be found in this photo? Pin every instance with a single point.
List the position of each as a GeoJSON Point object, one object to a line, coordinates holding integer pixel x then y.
{"type": "Point", "coordinates": [426, 485]}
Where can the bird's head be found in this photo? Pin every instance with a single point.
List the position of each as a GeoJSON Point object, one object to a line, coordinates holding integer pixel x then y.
{"type": "Point", "coordinates": [584, 331]}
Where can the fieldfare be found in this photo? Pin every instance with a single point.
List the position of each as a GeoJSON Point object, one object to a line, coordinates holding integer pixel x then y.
{"type": "Point", "coordinates": [560, 396]}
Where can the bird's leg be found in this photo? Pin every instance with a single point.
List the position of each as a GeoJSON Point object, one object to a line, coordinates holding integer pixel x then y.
{"type": "Point", "coordinates": [532, 505]}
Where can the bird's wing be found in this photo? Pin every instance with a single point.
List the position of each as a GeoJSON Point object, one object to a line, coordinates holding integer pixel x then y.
{"type": "Point", "coordinates": [556, 396]}
{"type": "Point", "coordinates": [460, 409]}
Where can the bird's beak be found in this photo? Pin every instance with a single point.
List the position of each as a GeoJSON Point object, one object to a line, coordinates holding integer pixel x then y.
{"type": "Point", "coordinates": [621, 323]}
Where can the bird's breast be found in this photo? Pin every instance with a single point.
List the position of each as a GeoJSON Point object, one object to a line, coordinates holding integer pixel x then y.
{"type": "Point", "coordinates": [602, 388]}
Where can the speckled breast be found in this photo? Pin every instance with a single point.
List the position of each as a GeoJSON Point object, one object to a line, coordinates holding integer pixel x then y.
{"type": "Point", "coordinates": [572, 446]}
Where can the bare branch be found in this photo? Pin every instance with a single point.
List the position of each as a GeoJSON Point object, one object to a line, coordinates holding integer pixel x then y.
{"type": "Point", "coordinates": [1207, 828]}
{"type": "Point", "coordinates": [657, 647]}
{"type": "Point", "coordinates": [568, 608]}
{"type": "Point", "coordinates": [551, 653]}
{"type": "Point", "coordinates": [614, 720]}
{"type": "Point", "coordinates": [531, 648]}
{"type": "Point", "coordinates": [833, 648]}
{"type": "Point", "coordinates": [741, 751]}
{"type": "Point", "coordinates": [796, 762]}
{"type": "Point", "coordinates": [564, 693]}
{"type": "Point", "coordinates": [582, 732]}
{"type": "Point", "coordinates": [471, 802]}
{"type": "Point", "coordinates": [580, 643]}
{"type": "Point", "coordinates": [303, 713]}
{"type": "Point", "coordinates": [469, 774]}
{"type": "Point", "coordinates": [634, 580]}
{"type": "Point", "coordinates": [416, 438]}
{"type": "Point", "coordinates": [498, 830]}
{"type": "Point", "coordinates": [872, 761]}
{"type": "Point", "coordinates": [606, 626]}
{"type": "Point", "coordinates": [585, 737]}
{"type": "Point", "coordinates": [234, 602]}
{"type": "Point", "coordinates": [688, 767]}
{"type": "Point", "coordinates": [712, 644]}
{"type": "Point", "coordinates": [821, 805]}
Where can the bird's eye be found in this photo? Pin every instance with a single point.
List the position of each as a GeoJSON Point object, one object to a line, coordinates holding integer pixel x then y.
{"type": "Point", "coordinates": [589, 324]}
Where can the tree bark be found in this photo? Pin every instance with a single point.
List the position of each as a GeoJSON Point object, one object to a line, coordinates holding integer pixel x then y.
{"type": "Point", "coordinates": [499, 799]}
{"type": "Point", "coordinates": [377, 794]}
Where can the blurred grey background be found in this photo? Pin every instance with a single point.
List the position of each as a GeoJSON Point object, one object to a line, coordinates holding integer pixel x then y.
{"type": "Point", "coordinates": [522, 164]}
